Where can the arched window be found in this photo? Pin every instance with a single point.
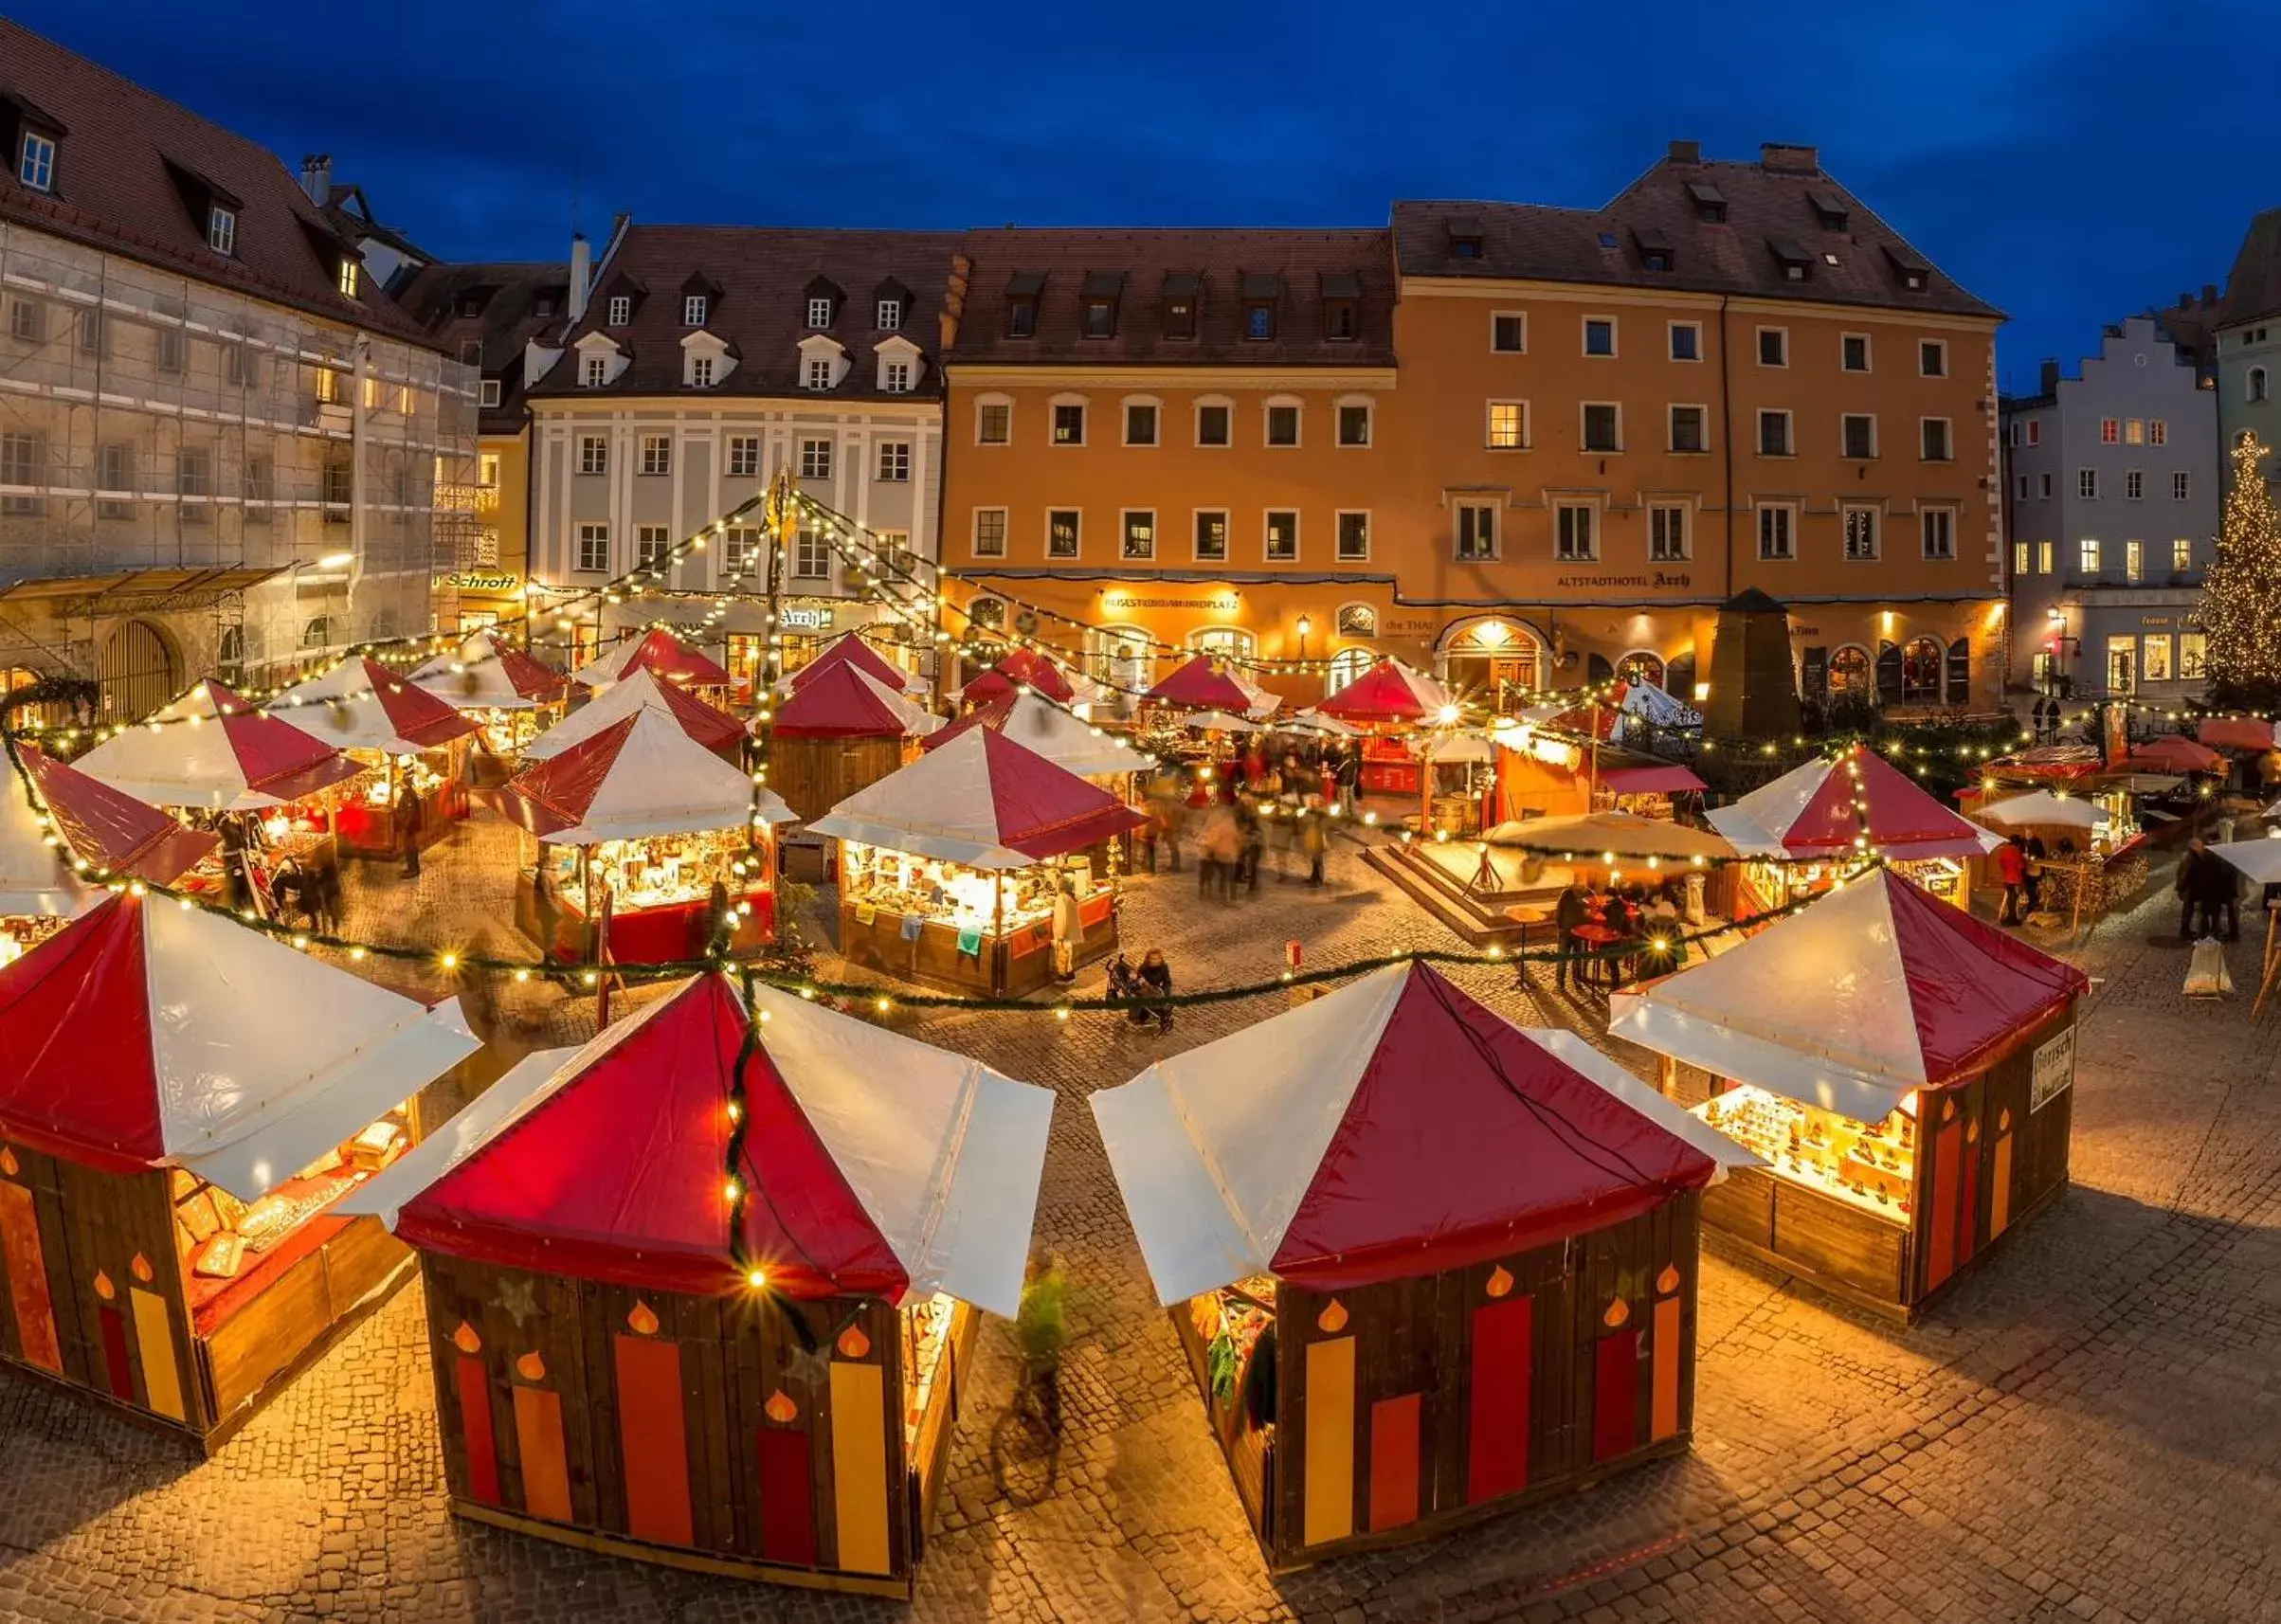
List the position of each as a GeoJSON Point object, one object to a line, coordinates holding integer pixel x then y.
{"type": "Point", "coordinates": [1122, 659]}
{"type": "Point", "coordinates": [318, 632]}
{"type": "Point", "coordinates": [1849, 671]}
{"type": "Point", "coordinates": [138, 671]}
{"type": "Point", "coordinates": [1923, 663]}
{"type": "Point", "coordinates": [1357, 620]}
{"type": "Point", "coordinates": [1224, 642]}
{"type": "Point", "coordinates": [2257, 383]}
{"type": "Point", "coordinates": [231, 653]}
{"type": "Point", "coordinates": [1346, 665]}
{"type": "Point", "coordinates": [1642, 667]}
{"type": "Point", "coordinates": [986, 614]}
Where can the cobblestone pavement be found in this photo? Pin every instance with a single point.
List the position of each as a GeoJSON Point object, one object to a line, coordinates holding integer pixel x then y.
{"type": "Point", "coordinates": [2089, 1429]}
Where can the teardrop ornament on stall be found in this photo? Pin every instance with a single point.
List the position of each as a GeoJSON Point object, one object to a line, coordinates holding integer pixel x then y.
{"type": "Point", "coordinates": [1619, 1312]}
{"type": "Point", "coordinates": [103, 1287]}
{"type": "Point", "coordinates": [780, 1407]}
{"type": "Point", "coordinates": [853, 1343]}
{"type": "Point", "coordinates": [140, 1269]}
{"type": "Point", "coordinates": [1333, 1317]}
{"type": "Point", "coordinates": [465, 1340]}
{"type": "Point", "coordinates": [530, 1367]}
{"type": "Point", "coordinates": [7, 1161]}
{"type": "Point", "coordinates": [1668, 1281]}
{"type": "Point", "coordinates": [1500, 1281]}
{"type": "Point", "coordinates": [641, 1319]}
{"type": "Point", "coordinates": [2003, 1120]}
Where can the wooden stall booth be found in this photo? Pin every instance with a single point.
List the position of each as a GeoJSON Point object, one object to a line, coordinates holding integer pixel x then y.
{"type": "Point", "coordinates": [851, 648]}
{"type": "Point", "coordinates": [1426, 1265]}
{"type": "Point", "coordinates": [510, 695]}
{"type": "Point", "coordinates": [638, 824]}
{"type": "Point", "coordinates": [707, 725]}
{"type": "Point", "coordinates": [1390, 702]}
{"type": "Point", "coordinates": [951, 869]}
{"type": "Point", "coordinates": [81, 827]}
{"type": "Point", "coordinates": [183, 1104]}
{"type": "Point", "coordinates": [411, 745]}
{"type": "Point", "coordinates": [665, 657]}
{"type": "Point", "coordinates": [609, 1375]}
{"type": "Point", "coordinates": [840, 732]}
{"type": "Point", "coordinates": [1058, 734]}
{"type": "Point", "coordinates": [1905, 1070]}
{"type": "Point", "coordinates": [1545, 772]}
{"type": "Point", "coordinates": [2086, 868]}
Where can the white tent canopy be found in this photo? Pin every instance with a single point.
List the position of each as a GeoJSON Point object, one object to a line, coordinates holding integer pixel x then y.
{"type": "Point", "coordinates": [1042, 726]}
{"type": "Point", "coordinates": [471, 677]}
{"type": "Point", "coordinates": [1644, 699]}
{"type": "Point", "coordinates": [1457, 746]}
{"type": "Point", "coordinates": [1263, 703]}
{"type": "Point", "coordinates": [35, 876]}
{"type": "Point", "coordinates": [343, 708]}
{"type": "Point", "coordinates": [183, 755]}
{"type": "Point", "coordinates": [1643, 1097]}
{"type": "Point", "coordinates": [1218, 722]}
{"type": "Point", "coordinates": [2258, 860]}
{"type": "Point", "coordinates": [2040, 806]}
{"type": "Point", "coordinates": [665, 783]}
{"type": "Point", "coordinates": [640, 692]}
{"type": "Point", "coordinates": [1313, 721]}
{"type": "Point", "coordinates": [941, 805]}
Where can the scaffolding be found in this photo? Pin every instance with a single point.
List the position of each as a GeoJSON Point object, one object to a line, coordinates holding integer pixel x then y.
{"type": "Point", "coordinates": [192, 479]}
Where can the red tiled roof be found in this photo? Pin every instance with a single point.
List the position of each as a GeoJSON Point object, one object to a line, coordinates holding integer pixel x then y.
{"type": "Point", "coordinates": [1300, 263]}
{"type": "Point", "coordinates": [511, 294]}
{"type": "Point", "coordinates": [1768, 212]}
{"type": "Point", "coordinates": [120, 165]}
{"type": "Point", "coordinates": [759, 279]}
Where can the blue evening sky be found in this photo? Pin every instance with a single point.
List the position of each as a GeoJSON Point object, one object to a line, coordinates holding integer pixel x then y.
{"type": "Point", "coordinates": [2071, 160]}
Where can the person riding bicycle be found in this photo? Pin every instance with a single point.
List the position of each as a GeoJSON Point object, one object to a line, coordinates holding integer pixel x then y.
{"type": "Point", "coordinates": [1042, 1327]}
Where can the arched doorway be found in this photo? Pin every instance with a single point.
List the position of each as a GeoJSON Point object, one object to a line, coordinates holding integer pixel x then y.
{"type": "Point", "coordinates": [15, 677]}
{"type": "Point", "coordinates": [1225, 643]}
{"type": "Point", "coordinates": [1493, 657]}
{"type": "Point", "coordinates": [138, 670]}
{"type": "Point", "coordinates": [1849, 672]}
{"type": "Point", "coordinates": [1346, 665]}
{"type": "Point", "coordinates": [1121, 658]}
{"type": "Point", "coordinates": [1640, 668]}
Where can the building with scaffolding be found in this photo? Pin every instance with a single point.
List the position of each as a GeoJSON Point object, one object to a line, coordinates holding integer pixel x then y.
{"type": "Point", "coordinates": [222, 447]}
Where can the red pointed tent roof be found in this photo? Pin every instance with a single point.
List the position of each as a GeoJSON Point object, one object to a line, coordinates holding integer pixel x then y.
{"type": "Point", "coordinates": [340, 707]}
{"type": "Point", "coordinates": [1381, 693]}
{"type": "Point", "coordinates": [838, 704]}
{"type": "Point", "coordinates": [261, 760]}
{"type": "Point", "coordinates": [531, 677]}
{"type": "Point", "coordinates": [638, 776]}
{"type": "Point", "coordinates": [2236, 733]}
{"type": "Point", "coordinates": [1023, 665]}
{"type": "Point", "coordinates": [115, 833]}
{"type": "Point", "coordinates": [667, 656]}
{"type": "Point", "coordinates": [990, 714]}
{"type": "Point", "coordinates": [851, 648]}
{"type": "Point", "coordinates": [1822, 807]}
{"type": "Point", "coordinates": [1972, 986]}
{"type": "Point", "coordinates": [981, 800]}
{"type": "Point", "coordinates": [2174, 752]}
{"type": "Point", "coordinates": [1201, 685]}
{"type": "Point", "coordinates": [559, 1192]}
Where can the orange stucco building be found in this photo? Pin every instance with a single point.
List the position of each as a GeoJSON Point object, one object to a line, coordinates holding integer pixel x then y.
{"type": "Point", "coordinates": [1521, 446]}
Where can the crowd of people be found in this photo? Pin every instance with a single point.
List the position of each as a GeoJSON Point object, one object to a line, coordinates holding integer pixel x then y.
{"type": "Point", "coordinates": [1266, 806]}
{"type": "Point", "coordinates": [1627, 926]}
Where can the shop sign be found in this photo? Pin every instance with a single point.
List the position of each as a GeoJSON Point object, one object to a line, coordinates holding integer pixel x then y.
{"type": "Point", "coordinates": [2053, 1070]}
{"type": "Point", "coordinates": [483, 580]}
{"type": "Point", "coordinates": [809, 617]}
{"type": "Point", "coordinates": [1411, 625]}
{"type": "Point", "coordinates": [1121, 601]}
{"type": "Point", "coordinates": [1655, 578]}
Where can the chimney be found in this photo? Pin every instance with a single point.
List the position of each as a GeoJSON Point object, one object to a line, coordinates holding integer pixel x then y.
{"type": "Point", "coordinates": [582, 256]}
{"type": "Point", "coordinates": [1686, 153]}
{"type": "Point", "coordinates": [2209, 293]}
{"type": "Point", "coordinates": [316, 177]}
{"type": "Point", "coordinates": [2185, 301]}
{"type": "Point", "coordinates": [2051, 378]}
{"type": "Point", "coordinates": [1781, 157]}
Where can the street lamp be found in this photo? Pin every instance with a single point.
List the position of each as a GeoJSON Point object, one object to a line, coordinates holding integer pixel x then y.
{"type": "Point", "coordinates": [1305, 625]}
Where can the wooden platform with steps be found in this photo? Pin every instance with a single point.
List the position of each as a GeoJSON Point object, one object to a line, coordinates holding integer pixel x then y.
{"type": "Point", "coordinates": [1481, 915]}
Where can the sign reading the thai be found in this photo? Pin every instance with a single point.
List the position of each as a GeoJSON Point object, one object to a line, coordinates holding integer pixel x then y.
{"type": "Point", "coordinates": [2053, 1070]}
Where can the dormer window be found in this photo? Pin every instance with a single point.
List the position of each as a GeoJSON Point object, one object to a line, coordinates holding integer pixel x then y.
{"type": "Point", "coordinates": [222, 230]}
{"type": "Point", "coordinates": [595, 372]}
{"type": "Point", "coordinates": [36, 161]}
{"type": "Point", "coordinates": [1655, 250]}
{"type": "Point", "coordinates": [819, 374]}
{"type": "Point", "coordinates": [693, 310]}
{"type": "Point", "coordinates": [1829, 209]}
{"type": "Point", "coordinates": [889, 316]}
{"type": "Point", "coordinates": [349, 279]}
{"type": "Point", "coordinates": [1023, 291]}
{"type": "Point", "coordinates": [894, 377]}
{"type": "Point", "coordinates": [700, 371]}
{"type": "Point", "coordinates": [1260, 295]}
{"type": "Point", "coordinates": [821, 301]}
{"type": "Point", "coordinates": [1342, 302]}
{"type": "Point", "coordinates": [1796, 264]}
{"type": "Point", "coordinates": [471, 303]}
{"type": "Point", "coordinates": [1100, 292]}
{"type": "Point", "coordinates": [1182, 294]}
{"type": "Point", "coordinates": [1464, 237]}
{"type": "Point", "coordinates": [1915, 273]}
{"type": "Point", "coordinates": [1710, 202]}
{"type": "Point", "coordinates": [621, 310]}
{"type": "Point", "coordinates": [823, 362]}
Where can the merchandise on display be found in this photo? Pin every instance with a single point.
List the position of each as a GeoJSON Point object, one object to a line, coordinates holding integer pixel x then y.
{"type": "Point", "coordinates": [1869, 1167]}
{"type": "Point", "coordinates": [660, 872]}
{"type": "Point", "coordinates": [950, 893]}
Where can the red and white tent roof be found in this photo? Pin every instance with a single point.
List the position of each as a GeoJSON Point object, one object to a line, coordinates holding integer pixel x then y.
{"type": "Point", "coordinates": [2236, 733]}
{"type": "Point", "coordinates": [2173, 753]}
{"type": "Point", "coordinates": [876, 1164]}
{"type": "Point", "coordinates": [984, 801]}
{"type": "Point", "coordinates": [1388, 692]}
{"type": "Point", "coordinates": [487, 673]}
{"type": "Point", "coordinates": [1038, 724]}
{"type": "Point", "coordinates": [847, 702]}
{"type": "Point", "coordinates": [1396, 1127]}
{"type": "Point", "coordinates": [850, 647]}
{"type": "Point", "coordinates": [147, 1034]}
{"type": "Point", "coordinates": [1201, 684]}
{"type": "Point", "coordinates": [708, 725]}
{"type": "Point", "coordinates": [361, 704]}
{"type": "Point", "coordinates": [1825, 808]}
{"type": "Point", "coordinates": [1022, 667]}
{"type": "Point", "coordinates": [81, 821]}
{"type": "Point", "coordinates": [639, 776]}
{"type": "Point", "coordinates": [1878, 989]}
{"type": "Point", "coordinates": [210, 750]}
{"type": "Point", "coordinates": [658, 651]}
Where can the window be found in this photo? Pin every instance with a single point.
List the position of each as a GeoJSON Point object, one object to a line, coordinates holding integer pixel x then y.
{"type": "Point", "coordinates": [1259, 319]}
{"type": "Point", "coordinates": [1777, 532]}
{"type": "Point", "coordinates": [2134, 431]}
{"type": "Point", "coordinates": [2111, 431]}
{"type": "Point", "coordinates": [1860, 526]}
{"type": "Point", "coordinates": [700, 371]}
{"type": "Point", "coordinates": [811, 555]}
{"type": "Point", "coordinates": [1687, 341]}
{"type": "Point", "coordinates": [990, 533]}
{"type": "Point", "coordinates": [1355, 424]}
{"type": "Point", "coordinates": [36, 162]}
{"type": "Point", "coordinates": [2086, 555]}
{"type": "Point", "coordinates": [621, 310]}
{"type": "Point", "coordinates": [1180, 313]}
{"type": "Point", "coordinates": [1687, 428]}
{"type": "Point", "coordinates": [1140, 422]}
{"type": "Point", "coordinates": [491, 392]}
{"type": "Point", "coordinates": [1938, 446]}
{"type": "Point", "coordinates": [2134, 561]}
{"type": "Point", "coordinates": [2193, 656]}
{"type": "Point", "coordinates": [1476, 531]}
{"type": "Point", "coordinates": [1860, 435]}
{"type": "Point", "coordinates": [1667, 531]}
{"type": "Point", "coordinates": [593, 454]}
{"type": "Point", "coordinates": [818, 373]}
{"type": "Point", "coordinates": [888, 316]}
{"type": "Point", "coordinates": [1069, 425]}
{"type": "Point", "coordinates": [372, 394]}
{"type": "Point", "coordinates": [1213, 425]}
{"type": "Point", "coordinates": [595, 372]}
{"type": "Point", "coordinates": [1602, 428]}
{"type": "Point", "coordinates": [1508, 425]}
{"type": "Point", "coordinates": [2043, 487]}
{"type": "Point", "coordinates": [115, 471]}
{"type": "Point", "coordinates": [1509, 333]}
{"type": "Point", "coordinates": [894, 461]}
{"type": "Point", "coordinates": [1774, 434]}
{"type": "Point", "coordinates": [1100, 318]}
{"type": "Point", "coordinates": [1211, 535]}
{"type": "Point", "coordinates": [2181, 555]}
{"type": "Point", "coordinates": [1137, 530]}
{"type": "Point", "coordinates": [2154, 656]}
{"type": "Point", "coordinates": [348, 277]}
{"type": "Point", "coordinates": [28, 319]}
{"type": "Point", "coordinates": [1574, 534]}
{"type": "Point", "coordinates": [740, 549]}
{"type": "Point", "coordinates": [93, 333]}
{"type": "Point", "coordinates": [2044, 559]}
{"type": "Point", "coordinates": [1340, 323]}
{"type": "Point", "coordinates": [2087, 483]}
{"type": "Point", "coordinates": [651, 543]}
{"type": "Point", "coordinates": [2035, 431]}
{"type": "Point", "coordinates": [1062, 532]}
{"type": "Point", "coordinates": [1849, 671]}
{"type": "Point", "coordinates": [1282, 425]}
{"type": "Point", "coordinates": [818, 313]}
{"type": "Point", "coordinates": [1021, 317]}
{"type": "Point", "coordinates": [222, 230]}
{"type": "Point", "coordinates": [1600, 336]}
{"type": "Point", "coordinates": [1853, 351]}
{"type": "Point", "coordinates": [20, 464]}
{"type": "Point", "coordinates": [744, 457]}
{"type": "Point", "coordinates": [1922, 666]}
{"type": "Point", "coordinates": [1932, 358]}
{"type": "Point", "coordinates": [693, 310]}
{"type": "Point", "coordinates": [2157, 432]}
{"type": "Point", "coordinates": [1353, 537]}
{"type": "Point", "coordinates": [994, 424]}
{"type": "Point", "coordinates": [2122, 663]}
{"type": "Point", "coordinates": [657, 454]}
{"type": "Point", "coordinates": [1938, 526]}
{"type": "Point", "coordinates": [2182, 486]}
{"type": "Point", "coordinates": [593, 547]}
{"type": "Point", "coordinates": [2134, 485]}
{"type": "Point", "coordinates": [2021, 552]}
{"type": "Point", "coordinates": [815, 459]}
{"type": "Point", "coordinates": [243, 371]}
{"type": "Point", "coordinates": [1282, 536]}
{"type": "Point", "coordinates": [2020, 487]}
{"type": "Point", "coordinates": [896, 377]}
{"type": "Point", "coordinates": [487, 470]}
{"type": "Point", "coordinates": [1774, 347]}
{"type": "Point", "coordinates": [173, 349]}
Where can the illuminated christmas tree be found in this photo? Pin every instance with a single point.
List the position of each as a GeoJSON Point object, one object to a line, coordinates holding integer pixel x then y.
{"type": "Point", "coordinates": [2241, 597]}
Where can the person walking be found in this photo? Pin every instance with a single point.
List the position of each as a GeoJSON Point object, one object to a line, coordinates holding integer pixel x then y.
{"type": "Point", "coordinates": [1069, 932]}
{"type": "Point", "coordinates": [1041, 1329]}
{"type": "Point", "coordinates": [1350, 777]}
{"type": "Point", "coordinates": [406, 813]}
{"type": "Point", "coordinates": [1155, 978]}
{"type": "Point", "coordinates": [2011, 868]}
{"type": "Point", "coordinates": [2034, 850]}
{"type": "Point", "coordinates": [1570, 912]}
{"type": "Point", "coordinates": [1252, 847]}
{"type": "Point", "coordinates": [1221, 846]}
{"type": "Point", "coordinates": [548, 910]}
{"type": "Point", "coordinates": [2219, 885]}
{"type": "Point", "coordinates": [1314, 839]}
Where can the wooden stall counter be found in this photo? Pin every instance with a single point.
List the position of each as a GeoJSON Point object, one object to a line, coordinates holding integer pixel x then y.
{"type": "Point", "coordinates": [665, 933]}
{"type": "Point", "coordinates": [962, 959]}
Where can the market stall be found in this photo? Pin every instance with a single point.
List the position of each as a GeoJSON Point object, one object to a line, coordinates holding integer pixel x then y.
{"type": "Point", "coordinates": [1201, 684]}
{"type": "Point", "coordinates": [2088, 866]}
{"type": "Point", "coordinates": [952, 868]}
{"type": "Point", "coordinates": [183, 1104]}
{"type": "Point", "coordinates": [1023, 668]}
{"type": "Point", "coordinates": [1388, 702]}
{"type": "Point", "coordinates": [1426, 1265]}
{"type": "Point", "coordinates": [1905, 1070]}
{"type": "Point", "coordinates": [660, 653]}
{"type": "Point", "coordinates": [1544, 771]}
{"type": "Point", "coordinates": [1817, 820]}
{"type": "Point", "coordinates": [609, 1375]}
{"type": "Point", "coordinates": [2259, 861]}
{"type": "Point", "coordinates": [840, 732]}
{"type": "Point", "coordinates": [409, 743]}
{"type": "Point", "coordinates": [635, 827]}
{"type": "Point", "coordinates": [851, 648]}
{"type": "Point", "coordinates": [707, 725]}
{"type": "Point", "coordinates": [81, 827]}
{"type": "Point", "coordinates": [1457, 778]}
{"type": "Point", "coordinates": [1038, 723]}
{"type": "Point", "coordinates": [510, 695]}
